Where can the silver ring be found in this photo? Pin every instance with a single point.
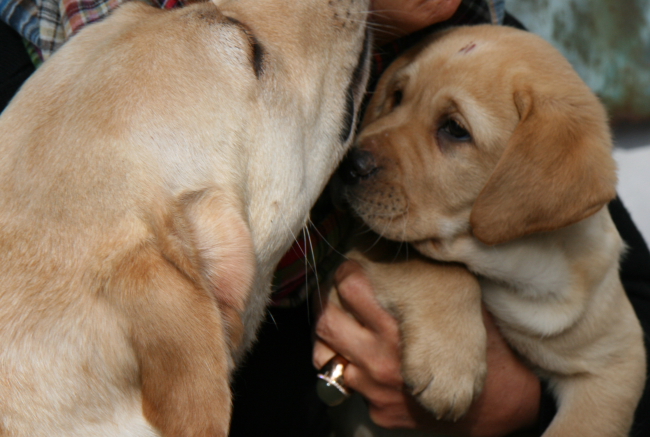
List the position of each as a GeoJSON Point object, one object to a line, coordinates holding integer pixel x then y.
{"type": "Point", "coordinates": [330, 386]}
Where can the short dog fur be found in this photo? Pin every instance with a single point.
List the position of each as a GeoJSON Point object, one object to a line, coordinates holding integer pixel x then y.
{"type": "Point", "coordinates": [483, 147]}
{"type": "Point", "coordinates": [152, 174]}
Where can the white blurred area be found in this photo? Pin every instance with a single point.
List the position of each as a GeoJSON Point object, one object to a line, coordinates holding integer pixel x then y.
{"type": "Point", "coordinates": [632, 153]}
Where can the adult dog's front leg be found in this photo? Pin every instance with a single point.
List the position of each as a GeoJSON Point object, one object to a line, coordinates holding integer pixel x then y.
{"type": "Point", "coordinates": [183, 294]}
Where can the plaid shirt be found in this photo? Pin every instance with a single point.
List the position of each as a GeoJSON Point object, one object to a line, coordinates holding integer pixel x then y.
{"type": "Point", "coordinates": [47, 24]}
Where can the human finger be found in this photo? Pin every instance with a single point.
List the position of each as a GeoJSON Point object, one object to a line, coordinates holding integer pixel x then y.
{"type": "Point", "coordinates": [357, 296]}
{"type": "Point", "coordinates": [321, 354]}
{"type": "Point", "coordinates": [341, 332]}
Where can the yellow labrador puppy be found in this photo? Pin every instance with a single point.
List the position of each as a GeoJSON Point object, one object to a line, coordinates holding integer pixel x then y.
{"type": "Point", "coordinates": [484, 147]}
{"type": "Point", "coordinates": [152, 173]}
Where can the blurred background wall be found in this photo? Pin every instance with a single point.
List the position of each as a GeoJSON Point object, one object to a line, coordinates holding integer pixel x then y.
{"type": "Point", "coordinates": [608, 43]}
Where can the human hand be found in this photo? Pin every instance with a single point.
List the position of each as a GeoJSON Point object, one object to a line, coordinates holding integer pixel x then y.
{"type": "Point", "coordinates": [368, 337]}
{"type": "Point", "coordinates": [396, 18]}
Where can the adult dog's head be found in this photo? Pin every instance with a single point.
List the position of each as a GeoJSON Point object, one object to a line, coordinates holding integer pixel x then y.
{"type": "Point", "coordinates": [485, 130]}
{"type": "Point", "coordinates": [308, 66]}
{"type": "Point", "coordinates": [257, 96]}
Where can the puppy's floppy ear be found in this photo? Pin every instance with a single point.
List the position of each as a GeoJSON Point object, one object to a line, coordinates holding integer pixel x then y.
{"type": "Point", "coordinates": [556, 169]}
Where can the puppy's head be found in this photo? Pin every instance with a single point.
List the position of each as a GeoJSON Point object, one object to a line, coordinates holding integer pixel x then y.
{"type": "Point", "coordinates": [485, 130]}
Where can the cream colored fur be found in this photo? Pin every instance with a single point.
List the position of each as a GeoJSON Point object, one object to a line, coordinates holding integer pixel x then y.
{"type": "Point", "coordinates": [152, 174]}
{"type": "Point", "coordinates": [487, 149]}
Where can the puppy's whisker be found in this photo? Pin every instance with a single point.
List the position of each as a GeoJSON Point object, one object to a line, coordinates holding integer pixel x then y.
{"type": "Point", "coordinates": [366, 230]}
{"type": "Point", "coordinates": [404, 241]}
{"type": "Point", "coordinates": [380, 235]}
{"type": "Point", "coordinates": [377, 240]}
{"type": "Point", "coordinates": [405, 223]}
{"type": "Point", "coordinates": [399, 250]}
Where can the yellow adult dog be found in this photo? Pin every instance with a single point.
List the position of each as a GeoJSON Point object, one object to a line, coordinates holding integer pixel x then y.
{"type": "Point", "coordinates": [152, 173]}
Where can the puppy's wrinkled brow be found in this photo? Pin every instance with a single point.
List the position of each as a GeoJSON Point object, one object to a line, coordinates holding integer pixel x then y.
{"type": "Point", "coordinates": [257, 58]}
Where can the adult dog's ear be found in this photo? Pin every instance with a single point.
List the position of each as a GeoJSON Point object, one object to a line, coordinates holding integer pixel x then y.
{"type": "Point", "coordinates": [556, 169]}
{"type": "Point", "coordinates": [183, 295]}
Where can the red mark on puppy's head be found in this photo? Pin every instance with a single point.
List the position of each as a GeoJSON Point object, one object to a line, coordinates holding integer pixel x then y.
{"type": "Point", "coordinates": [468, 48]}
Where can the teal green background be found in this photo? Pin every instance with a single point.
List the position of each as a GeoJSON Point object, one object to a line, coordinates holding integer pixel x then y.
{"type": "Point", "coordinates": [608, 43]}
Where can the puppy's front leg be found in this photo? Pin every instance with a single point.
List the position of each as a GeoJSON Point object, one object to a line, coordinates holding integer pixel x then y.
{"type": "Point", "coordinates": [601, 381]}
{"type": "Point", "coordinates": [438, 307]}
{"type": "Point", "coordinates": [183, 294]}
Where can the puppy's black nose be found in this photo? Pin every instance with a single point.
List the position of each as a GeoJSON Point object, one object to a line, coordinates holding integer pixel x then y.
{"type": "Point", "coordinates": [357, 165]}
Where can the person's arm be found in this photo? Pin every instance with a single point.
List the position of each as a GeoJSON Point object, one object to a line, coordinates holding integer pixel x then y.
{"type": "Point", "coordinates": [367, 336]}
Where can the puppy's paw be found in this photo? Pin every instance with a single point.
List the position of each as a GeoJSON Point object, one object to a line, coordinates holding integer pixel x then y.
{"type": "Point", "coordinates": [445, 381]}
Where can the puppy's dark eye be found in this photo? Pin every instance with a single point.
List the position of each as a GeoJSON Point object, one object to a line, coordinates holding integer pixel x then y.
{"type": "Point", "coordinates": [454, 130]}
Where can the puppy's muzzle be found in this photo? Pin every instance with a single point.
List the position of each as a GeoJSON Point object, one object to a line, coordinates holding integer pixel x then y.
{"type": "Point", "coordinates": [358, 165]}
